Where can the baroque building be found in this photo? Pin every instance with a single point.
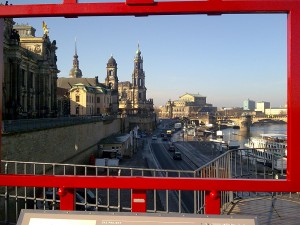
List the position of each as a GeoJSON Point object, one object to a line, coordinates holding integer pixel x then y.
{"type": "Point", "coordinates": [132, 96]}
{"type": "Point", "coordinates": [87, 96]}
{"type": "Point", "coordinates": [30, 73]}
{"type": "Point", "coordinates": [89, 100]}
{"type": "Point", "coordinates": [188, 105]}
{"type": "Point", "coordinates": [112, 82]}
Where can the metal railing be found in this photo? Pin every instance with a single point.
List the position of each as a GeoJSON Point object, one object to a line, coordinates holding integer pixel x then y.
{"type": "Point", "coordinates": [232, 164]}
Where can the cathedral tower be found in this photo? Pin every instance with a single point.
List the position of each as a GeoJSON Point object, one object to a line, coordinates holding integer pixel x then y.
{"type": "Point", "coordinates": [111, 79]}
{"type": "Point", "coordinates": [138, 78]}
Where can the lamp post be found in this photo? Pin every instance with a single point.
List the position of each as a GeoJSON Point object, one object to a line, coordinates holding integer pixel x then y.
{"type": "Point", "coordinates": [184, 131]}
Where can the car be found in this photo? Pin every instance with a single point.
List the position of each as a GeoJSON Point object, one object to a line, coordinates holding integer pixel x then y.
{"type": "Point", "coordinates": [177, 156]}
{"type": "Point", "coordinates": [172, 148]}
{"type": "Point", "coordinates": [154, 137]}
{"type": "Point", "coordinates": [165, 138]}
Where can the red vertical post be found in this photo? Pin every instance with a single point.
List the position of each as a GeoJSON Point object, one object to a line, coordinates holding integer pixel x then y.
{"type": "Point", "coordinates": [212, 202]}
{"type": "Point", "coordinates": [293, 83]}
{"type": "Point", "coordinates": [67, 198]}
{"type": "Point", "coordinates": [138, 201]}
{"type": "Point", "coordinates": [1, 82]}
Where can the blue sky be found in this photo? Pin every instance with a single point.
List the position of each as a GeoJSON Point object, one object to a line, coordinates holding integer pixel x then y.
{"type": "Point", "coordinates": [227, 58]}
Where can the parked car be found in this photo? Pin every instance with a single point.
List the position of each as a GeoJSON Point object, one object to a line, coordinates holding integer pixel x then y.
{"type": "Point", "coordinates": [165, 138]}
{"type": "Point", "coordinates": [154, 137]}
{"type": "Point", "coordinates": [177, 156]}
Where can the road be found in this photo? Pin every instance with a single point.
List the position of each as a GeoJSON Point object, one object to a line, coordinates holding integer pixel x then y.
{"type": "Point", "coordinates": [194, 155]}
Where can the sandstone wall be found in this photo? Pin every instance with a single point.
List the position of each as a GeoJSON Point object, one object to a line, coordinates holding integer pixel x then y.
{"type": "Point", "coordinates": [72, 144]}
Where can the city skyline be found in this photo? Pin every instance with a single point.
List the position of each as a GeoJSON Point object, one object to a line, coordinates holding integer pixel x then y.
{"type": "Point", "coordinates": [228, 58]}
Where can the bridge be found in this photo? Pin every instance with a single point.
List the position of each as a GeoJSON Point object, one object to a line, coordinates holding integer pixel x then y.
{"type": "Point", "coordinates": [239, 120]}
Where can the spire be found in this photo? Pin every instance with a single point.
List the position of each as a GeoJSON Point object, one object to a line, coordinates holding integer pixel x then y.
{"type": "Point", "coordinates": [75, 60]}
{"type": "Point", "coordinates": [138, 51]}
{"type": "Point", "coordinates": [75, 72]}
{"type": "Point", "coordinates": [75, 46]}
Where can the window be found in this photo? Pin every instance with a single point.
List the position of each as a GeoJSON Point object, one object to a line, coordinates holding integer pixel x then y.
{"type": "Point", "coordinates": [77, 99]}
{"type": "Point", "coordinates": [98, 99]}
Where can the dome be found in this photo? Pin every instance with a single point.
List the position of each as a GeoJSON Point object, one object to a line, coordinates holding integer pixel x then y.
{"type": "Point", "coordinates": [138, 51]}
{"type": "Point", "coordinates": [112, 61]}
{"type": "Point", "coordinates": [75, 73]}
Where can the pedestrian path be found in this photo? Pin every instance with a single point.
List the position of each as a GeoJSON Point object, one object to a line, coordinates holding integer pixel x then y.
{"type": "Point", "coordinates": [270, 210]}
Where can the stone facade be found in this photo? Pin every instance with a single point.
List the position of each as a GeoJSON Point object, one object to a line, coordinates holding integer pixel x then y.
{"type": "Point", "coordinates": [89, 100]}
{"type": "Point", "coordinates": [188, 105]}
{"type": "Point", "coordinates": [133, 100]}
{"type": "Point", "coordinates": [30, 73]}
{"type": "Point", "coordinates": [87, 96]}
{"type": "Point", "coordinates": [133, 96]}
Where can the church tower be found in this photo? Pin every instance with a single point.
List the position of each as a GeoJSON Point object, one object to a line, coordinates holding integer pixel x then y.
{"type": "Point", "coordinates": [111, 79]}
{"type": "Point", "coordinates": [75, 72]}
{"type": "Point", "coordinates": [138, 79]}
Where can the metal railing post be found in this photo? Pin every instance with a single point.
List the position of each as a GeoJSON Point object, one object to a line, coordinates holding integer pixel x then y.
{"type": "Point", "coordinates": [138, 201]}
{"type": "Point", "coordinates": [67, 198]}
{"type": "Point", "coordinates": [212, 202]}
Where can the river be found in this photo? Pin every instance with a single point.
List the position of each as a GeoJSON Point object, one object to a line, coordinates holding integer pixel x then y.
{"type": "Point", "coordinates": [241, 137]}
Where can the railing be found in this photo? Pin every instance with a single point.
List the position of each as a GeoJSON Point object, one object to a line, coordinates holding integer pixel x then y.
{"type": "Point", "coordinates": [120, 197]}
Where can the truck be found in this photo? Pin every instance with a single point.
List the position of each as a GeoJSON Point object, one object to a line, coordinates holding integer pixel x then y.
{"type": "Point", "coordinates": [177, 126]}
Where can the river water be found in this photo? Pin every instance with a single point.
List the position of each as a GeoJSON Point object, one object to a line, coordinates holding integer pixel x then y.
{"type": "Point", "coordinates": [241, 137]}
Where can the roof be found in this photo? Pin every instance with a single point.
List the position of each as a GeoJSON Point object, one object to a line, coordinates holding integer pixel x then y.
{"type": "Point", "coordinates": [61, 92]}
{"type": "Point", "coordinates": [115, 139]}
{"type": "Point", "coordinates": [91, 89]}
{"type": "Point", "coordinates": [112, 61]}
{"type": "Point", "coordinates": [67, 83]}
{"type": "Point", "coordinates": [194, 95]}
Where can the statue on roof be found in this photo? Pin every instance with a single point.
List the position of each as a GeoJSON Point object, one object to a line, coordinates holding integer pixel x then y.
{"type": "Point", "coordinates": [45, 28]}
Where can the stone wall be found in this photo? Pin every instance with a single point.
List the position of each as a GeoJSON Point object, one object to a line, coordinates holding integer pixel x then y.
{"type": "Point", "coordinates": [72, 144]}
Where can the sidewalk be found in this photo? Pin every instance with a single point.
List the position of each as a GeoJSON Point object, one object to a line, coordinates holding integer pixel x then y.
{"type": "Point", "coordinates": [139, 159]}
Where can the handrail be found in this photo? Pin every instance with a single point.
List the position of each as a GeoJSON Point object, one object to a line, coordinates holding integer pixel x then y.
{"type": "Point", "coordinates": [161, 183]}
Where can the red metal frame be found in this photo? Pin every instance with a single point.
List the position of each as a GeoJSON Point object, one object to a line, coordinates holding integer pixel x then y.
{"type": "Point", "coordinates": [70, 8]}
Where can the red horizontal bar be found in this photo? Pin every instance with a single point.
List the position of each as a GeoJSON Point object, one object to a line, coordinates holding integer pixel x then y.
{"type": "Point", "coordinates": [70, 1]}
{"type": "Point", "coordinates": [159, 8]}
{"type": "Point", "coordinates": [139, 2]}
{"type": "Point", "coordinates": [143, 183]}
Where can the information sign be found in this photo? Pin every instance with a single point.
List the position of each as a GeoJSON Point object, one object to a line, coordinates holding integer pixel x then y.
{"type": "Point", "coordinates": [51, 217]}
